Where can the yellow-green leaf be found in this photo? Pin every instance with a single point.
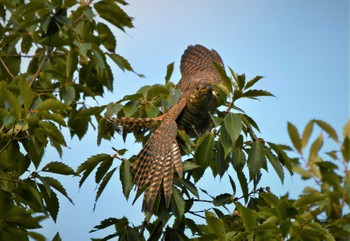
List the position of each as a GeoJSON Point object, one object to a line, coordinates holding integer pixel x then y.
{"type": "Point", "coordinates": [26, 93]}
{"type": "Point", "coordinates": [294, 136]}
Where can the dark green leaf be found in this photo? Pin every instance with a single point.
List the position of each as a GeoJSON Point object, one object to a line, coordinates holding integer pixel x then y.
{"type": "Point", "coordinates": [59, 187]}
{"type": "Point", "coordinates": [256, 159]}
{"type": "Point", "coordinates": [102, 169]}
{"type": "Point", "coordinates": [234, 125]}
{"type": "Point", "coordinates": [257, 93]}
{"type": "Point", "coordinates": [52, 132]}
{"type": "Point", "coordinates": [252, 82]}
{"type": "Point", "coordinates": [226, 141]}
{"type": "Point", "coordinates": [125, 177]}
{"type": "Point", "coordinates": [282, 156]}
{"type": "Point", "coordinates": [89, 165]}
{"type": "Point", "coordinates": [240, 80]}
{"type": "Point", "coordinates": [111, 12]}
{"type": "Point", "coordinates": [59, 168]}
{"type": "Point", "coordinates": [294, 136]}
{"type": "Point", "coordinates": [26, 93]}
{"type": "Point", "coordinates": [243, 183]}
{"type": "Point", "coordinates": [189, 186]}
{"type": "Point", "coordinates": [223, 199]}
{"type": "Point", "coordinates": [276, 164]}
{"type": "Point", "coordinates": [51, 202]}
{"type": "Point", "coordinates": [57, 237]}
{"type": "Point", "coordinates": [71, 65]}
{"type": "Point", "coordinates": [204, 149]}
{"type": "Point", "coordinates": [177, 203]}
{"type": "Point", "coordinates": [238, 159]}
{"type": "Point", "coordinates": [103, 184]}
{"type": "Point", "coordinates": [169, 72]}
{"type": "Point", "coordinates": [107, 37]}
{"type": "Point", "coordinates": [233, 185]}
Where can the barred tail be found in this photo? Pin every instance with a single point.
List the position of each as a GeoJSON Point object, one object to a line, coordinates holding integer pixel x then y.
{"type": "Point", "coordinates": [155, 165]}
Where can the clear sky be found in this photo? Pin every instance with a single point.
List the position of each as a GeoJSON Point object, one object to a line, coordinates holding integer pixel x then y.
{"type": "Point", "coordinates": [301, 47]}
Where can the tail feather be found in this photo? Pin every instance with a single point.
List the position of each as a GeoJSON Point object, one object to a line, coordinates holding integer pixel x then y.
{"type": "Point", "coordinates": [154, 166]}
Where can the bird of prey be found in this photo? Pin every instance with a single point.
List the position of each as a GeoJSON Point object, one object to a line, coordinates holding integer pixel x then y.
{"type": "Point", "coordinates": [154, 167]}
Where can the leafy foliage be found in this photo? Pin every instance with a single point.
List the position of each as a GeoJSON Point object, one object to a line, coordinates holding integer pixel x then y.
{"type": "Point", "coordinates": [53, 58]}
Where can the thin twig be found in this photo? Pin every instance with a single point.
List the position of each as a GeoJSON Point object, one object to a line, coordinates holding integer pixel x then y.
{"type": "Point", "coordinates": [7, 69]}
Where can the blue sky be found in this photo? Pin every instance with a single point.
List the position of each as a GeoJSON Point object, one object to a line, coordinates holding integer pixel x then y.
{"type": "Point", "coordinates": [301, 47]}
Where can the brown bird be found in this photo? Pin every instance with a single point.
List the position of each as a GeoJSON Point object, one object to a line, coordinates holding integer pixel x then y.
{"type": "Point", "coordinates": [155, 164]}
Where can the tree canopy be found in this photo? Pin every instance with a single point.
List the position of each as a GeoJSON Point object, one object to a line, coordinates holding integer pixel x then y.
{"type": "Point", "coordinates": [56, 55]}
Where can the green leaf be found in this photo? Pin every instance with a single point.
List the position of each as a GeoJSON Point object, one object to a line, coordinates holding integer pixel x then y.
{"type": "Point", "coordinates": [204, 149]}
{"type": "Point", "coordinates": [252, 82]}
{"type": "Point", "coordinates": [345, 149]}
{"type": "Point", "coordinates": [306, 134]}
{"type": "Point", "coordinates": [53, 105]}
{"type": "Point", "coordinates": [243, 183]}
{"type": "Point", "coordinates": [221, 162]}
{"type": "Point", "coordinates": [248, 217]}
{"type": "Point", "coordinates": [315, 148]}
{"type": "Point", "coordinates": [54, 183]}
{"type": "Point", "coordinates": [234, 125]}
{"type": "Point", "coordinates": [328, 129]}
{"type": "Point", "coordinates": [69, 95]}
{"type": "Point", "coordinates": [102, 169]}
{"type": "Point", "coordinates": [51, 202]}
{"type": "Point", "coordinates": [126, 178]}
{"type": "Point", "coordinates": [111, 12]}
{"type": "Point", "coordinates": [223, 199]}
{"type": "Point", "coordinates": [177, 203]}
{"type": "Point", "coordinates": [233, 185]}
{"type": "Point", "coordinates": [26, 93]}
{"type": "Point", "coordinates": [83, 47]}
{"type": "Point", "coordinates": [107, 37]}
{"type": "Point", "coordinates": [240, 80]}
{"type": "Point", "coordinates": [34, 151]}
{"type": "Point", "coordinates": [224, 78]}
{"type": "Point", "coordinates": [276, 164]}
{"type": "Point", "coordinates": [294, 136]}
{"type": "Point", "coordinates": [311, 198]}
{"type": "Point", "coordinates": [59, 168]}
{"type": "Point", "coordinates": [12, 99]}
{"type": "Point", "coordinates": [71, 64]}
{"type": "Point", "coordinates": [215, 225]}
{"type": "Point", "coordinates": [187, 166]}
{"type": "Point", "coordinates": [255, 159]}
{"type": "Point", "coordinates": [256, 93]}
{"type": "Point", "coordinates": [282, 156]}
{"type": "Point", "coordinates": [238, 159]}
{"type": "Point", "coordinates": [226, 141]}
{"type": "Point", "coordinates": [89, 165]}
{"type": "Point", "coordinates": [103, 184]}
{"type": "Point", "coordinates": [52, 132]}
{"type": "Point", "coordinates": [57, 237]}
{"type": "Point", "coordinates": [169, 72]}
{"type": "Point", "coordinates": [189, 186]}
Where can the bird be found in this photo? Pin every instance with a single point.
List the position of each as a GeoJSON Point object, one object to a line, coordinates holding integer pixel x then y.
{"type": "Point", "coordinates": [155, 165]}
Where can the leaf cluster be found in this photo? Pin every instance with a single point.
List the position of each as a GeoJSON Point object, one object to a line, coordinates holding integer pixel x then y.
{"type": "Point", "coordinates": [55, 56]}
